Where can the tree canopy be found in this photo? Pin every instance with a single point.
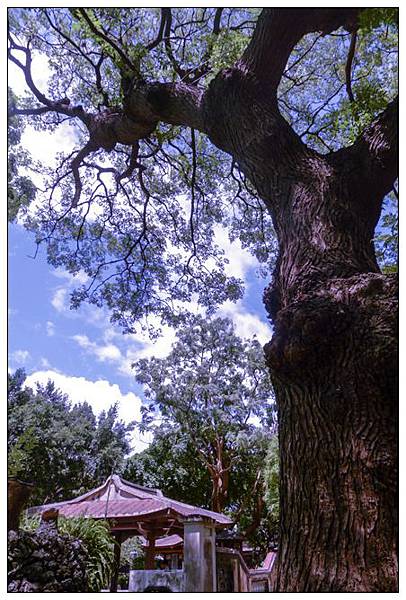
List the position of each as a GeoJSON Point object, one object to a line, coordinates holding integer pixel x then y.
{"type": "Point", "coordinates": [63, 450]}
{"type": "Point", "coordinates": [210, 390]}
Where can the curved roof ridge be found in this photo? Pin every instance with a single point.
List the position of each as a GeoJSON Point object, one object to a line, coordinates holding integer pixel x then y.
{"type": "Point", "coordinates": [154, 491]}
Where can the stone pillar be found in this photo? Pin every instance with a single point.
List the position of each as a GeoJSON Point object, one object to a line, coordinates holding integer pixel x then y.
{"type": "Point", "coordinates": [236, 575]}
{"type": "Point", "coordinates": [199, 560]}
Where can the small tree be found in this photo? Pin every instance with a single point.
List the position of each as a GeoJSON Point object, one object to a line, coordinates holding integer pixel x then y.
{"type": "Point", "coordinates": [213, 389]}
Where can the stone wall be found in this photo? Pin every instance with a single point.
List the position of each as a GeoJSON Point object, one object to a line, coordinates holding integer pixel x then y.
{"type": "Point", "coordinates": [45, 561]}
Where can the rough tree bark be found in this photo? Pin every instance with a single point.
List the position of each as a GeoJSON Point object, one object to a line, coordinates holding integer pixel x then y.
{"type": "Point", "coordinates": [333, 356]}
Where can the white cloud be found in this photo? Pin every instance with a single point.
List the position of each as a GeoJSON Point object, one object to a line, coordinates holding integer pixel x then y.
{"type": "Point", "coordinates": [108, 352]}
{"type": "Point", "coordinates": [20, 356]}
{"type": "Point", "coordinates": [82, 340]}
{"type": "Point", "coordinates": [240, 261]}
{"type": "Point", "coordinates": [40, 66]}
{"type": "Point", "coordinates": [159, 347]}
{"type": "Point", "coordinates": [59, 300]}
{"type": "Point", "coordinates": [134, 346]}
{"type": "Point", "coordinates": [246, 324]}
{"type": "Point", "coordinates": [50, 328]}
{"type": "Point", "coordinates": [73, 280]}
{"type": "Point", "coordinates": [100, 394]}
{"type": "Point", "coordinates": [44, 362]}
{"type": "Point", "coordinates": [44, 146]}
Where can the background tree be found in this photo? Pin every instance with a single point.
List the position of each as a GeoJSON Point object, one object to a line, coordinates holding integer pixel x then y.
{"type": "Point", "coordinates": [303, 102]}
{"type": "Point", "coordinates": [59, 448]}
{"type": "Point", "coordinates": [172, 465]}
{"type": "Point", "coordinates": [209, 389]}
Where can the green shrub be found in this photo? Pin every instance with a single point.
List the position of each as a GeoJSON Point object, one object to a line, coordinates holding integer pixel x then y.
{"type": "Point", "coordinates": [97, 539]}
{"type": "Point", "coordinates": [99, 543]}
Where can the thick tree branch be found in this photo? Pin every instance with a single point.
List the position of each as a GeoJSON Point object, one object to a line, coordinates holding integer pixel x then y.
{"type": "Point", "coordinates": [75, 165]}
{"type": "Point", "coordinates": [177, 104]}
{"type": "Point", "coordinates": [376, 151]}
{"type": "Point", "coordinates": [160, 35]}
{"type": "Point", "coordinates": [278, 31]}
{"type": "Point", "coordinates": [59, 106]}
{"type": "Point", "coordinates": [217, 21]}
{"type": "Point", "coordinates": [172, 103]}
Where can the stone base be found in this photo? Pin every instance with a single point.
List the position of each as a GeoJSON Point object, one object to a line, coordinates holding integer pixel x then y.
{"type": "Point", "coordinates": [140, 580]}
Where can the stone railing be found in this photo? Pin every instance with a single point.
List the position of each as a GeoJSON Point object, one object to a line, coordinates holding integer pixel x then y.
{"type": "Point", "coordinates": [233, 575]}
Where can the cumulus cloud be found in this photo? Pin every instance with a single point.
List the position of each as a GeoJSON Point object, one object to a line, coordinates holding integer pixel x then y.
{"type": "Point", "coordinates": [246, 324]}
{"type": "Point", "coordinates": [44, 362]}
{"type": "Point", "coordinates": [135, 345]}
{"type": "Point", "coordinates": [82, 340]}
{"type": "Point", "coordinates": [240, 261]}
{"type": "Point", "coordinates": [72, 280]}
{"type": "Point", "coordinates": [59, 300]}
{"type": "Point", "coordinates": [20, 356]}
{"type": "Point", "coordinates": [108, 352]}
{"type": "Point", "coordinates": [100, 394]}
{"type": "Point", "coordinates": [50, 328]}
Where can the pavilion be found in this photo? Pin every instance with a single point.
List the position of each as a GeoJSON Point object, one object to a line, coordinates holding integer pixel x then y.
{"type": "Point", "coordinates": [133, 510]}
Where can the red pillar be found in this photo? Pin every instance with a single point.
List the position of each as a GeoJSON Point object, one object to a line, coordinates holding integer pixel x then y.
{"type": "Point", "coordinates": [150, 553]}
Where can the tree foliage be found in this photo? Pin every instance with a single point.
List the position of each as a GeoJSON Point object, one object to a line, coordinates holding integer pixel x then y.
{"type": "Point", "coordinates": [387, 238]}
{"type": "Point", "coordinates": [211, 400]}
{"type": "Point", "coordinates": [63, 450]}
{"type": "Point", "coordinates": [20, 189]}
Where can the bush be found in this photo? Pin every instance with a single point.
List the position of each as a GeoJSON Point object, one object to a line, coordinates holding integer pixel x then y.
{"type": "Point", "coordinates": [98, 541]}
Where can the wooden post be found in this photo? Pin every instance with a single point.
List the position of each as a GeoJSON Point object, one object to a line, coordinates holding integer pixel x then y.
{"type": "Point", "coordinates": [174, 562]}
{"type": "Point", "coordinates": [150, 552]}
{"type": "Point", "coordinates": [18, 494]}
{"type": "Point", "coordinates": [116, 566]}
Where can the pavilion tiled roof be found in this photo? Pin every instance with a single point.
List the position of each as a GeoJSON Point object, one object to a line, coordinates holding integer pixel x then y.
{"type": "Point", "coordinates": [121, 499]}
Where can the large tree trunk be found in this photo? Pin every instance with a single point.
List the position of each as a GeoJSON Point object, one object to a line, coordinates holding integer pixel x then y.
{"type": "Point", "coordinates": [333, 363]}
{"type": "Point", "coordinates": [333, 357]}
{"type": "Point", "coordinates": [333, 360]}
